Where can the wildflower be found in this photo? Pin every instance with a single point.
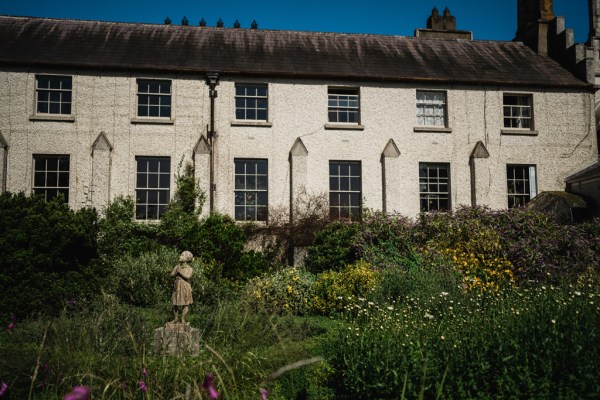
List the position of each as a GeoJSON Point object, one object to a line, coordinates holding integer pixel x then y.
{"type": "Point", "coordinates": [445, 293]}
{"type": "Point", "coordinates": [442, 337]}
{"type": "Point", "coordinates": [12, 323]}
{"type": "Point", "coordinates": [144, 372]}
{"type": "Point", "coordinates": [143, 386]}
{"type": "Point", "coordinates": [554, 321]}
{"type": "Point", "coordinates": [78, 393]}
{"type": "Point", "coordinates": [207, 385]}
{"type": "Point", "coordinates": [391, 308]}
{"type": "Point", "coordinates": [427, 315]}
{"type": "Point", "coordinates": [3, 389]}
{"type": "Point", "coordinates": [263, 394]}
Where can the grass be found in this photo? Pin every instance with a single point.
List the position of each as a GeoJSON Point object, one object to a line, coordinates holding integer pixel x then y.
{"type": "Point", "coordinates": [428, 342]}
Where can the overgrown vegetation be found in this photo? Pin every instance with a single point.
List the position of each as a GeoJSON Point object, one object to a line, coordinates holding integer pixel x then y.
{"type": "Point", "coordinates": [472, 304]}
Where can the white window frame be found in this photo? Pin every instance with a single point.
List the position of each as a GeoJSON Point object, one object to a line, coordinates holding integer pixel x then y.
{"type": "Point", "coordinates": [251, 190]}
{"type": "Point", "coordinates": [514, 116]}
{"type": "Point", "coordinates": [162, 96]}
{"type": "Point", "coordinates": [52, 92]}
{"type": "Point", "coordinates": [529, 181]}
{"type": "Point", "coordinates": [427, 107]}
{"type": "Point", "coordinates": [43, 173]}
{"type": "Point", "coordinates": [343, 101]}
{"type": "Point", "coordinates": [247, 98]}
{"type": "Point", "coordinates": [345, 187]}
{"type": "Point", "coordinates": [144, 187]}
{"type": "Point", "coordinates": [428, 181]}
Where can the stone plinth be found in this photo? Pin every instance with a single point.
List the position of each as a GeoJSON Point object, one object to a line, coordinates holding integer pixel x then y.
{"type": "Point", "coordinates": [177, 339]}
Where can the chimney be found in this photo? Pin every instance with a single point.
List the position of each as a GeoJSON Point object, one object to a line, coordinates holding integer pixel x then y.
{"type": "Point", "coordinates": [442, 27]}
{"type": "Point", "coordinates": [594, 14]}
{"type": "Point", "coordinates": [533, 19]}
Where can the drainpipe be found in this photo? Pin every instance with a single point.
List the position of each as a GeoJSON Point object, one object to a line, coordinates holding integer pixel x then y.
{"type": "Point", "coordinates": [4, 169]}
{"type": "Point", "coordinates": [212, 80]}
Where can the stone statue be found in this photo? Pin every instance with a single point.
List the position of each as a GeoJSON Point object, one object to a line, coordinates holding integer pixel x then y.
{"type": "Point", "coordinates": [182, 292]}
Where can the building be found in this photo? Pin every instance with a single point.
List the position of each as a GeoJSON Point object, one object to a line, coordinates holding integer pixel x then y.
{"type": "Point", "coordinates": [93, 110]}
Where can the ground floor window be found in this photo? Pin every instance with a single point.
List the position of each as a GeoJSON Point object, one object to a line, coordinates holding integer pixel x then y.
{"type": "Point", "coordinates": [345, 190]}
{"type": "Point", "coordinates": [521, 182]}
{"type": "Point", "coordinates": [152, 187]}
{"type": "Point", "coordinates": [434, 186]}
{"type": "Point", "coordinates": [251, 189]}
{"type": "Point", "coordinates": [51, 176]}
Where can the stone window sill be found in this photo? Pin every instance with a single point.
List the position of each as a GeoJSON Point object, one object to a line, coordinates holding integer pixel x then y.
{"type": "Point", "coordinates": [52, 117]}
{"type": "Point", "coordinates": [156, 121]}
{"type": "Point", "coordinates": [263, 124]}
{"type": "Point", "coordinates": [519, 132]}
{"type": "Point", "coordinates": [441, 129]}
{"type": "Point", "coordinates": [347, 127]}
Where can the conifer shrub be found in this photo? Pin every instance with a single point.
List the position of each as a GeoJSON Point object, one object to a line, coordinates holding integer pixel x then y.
{"type": "Point", "coordinates": [48, 254]}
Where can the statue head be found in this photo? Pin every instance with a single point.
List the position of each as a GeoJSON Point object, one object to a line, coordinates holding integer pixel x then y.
{"type": "Point", "coordinates": [186, 256]}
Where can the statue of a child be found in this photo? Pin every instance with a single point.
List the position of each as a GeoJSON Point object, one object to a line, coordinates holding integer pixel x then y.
{"type": "Point", "coordinates": [182, 293]}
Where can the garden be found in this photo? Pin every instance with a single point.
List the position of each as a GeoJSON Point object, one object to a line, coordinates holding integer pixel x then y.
{"type": "Point", "coordinates": [474, 304]}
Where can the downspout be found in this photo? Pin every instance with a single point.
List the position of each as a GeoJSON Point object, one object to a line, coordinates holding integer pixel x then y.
{"type": "Point", "coordinates": [4, 169]}
{"type": "Point", "coordinates": [212, 80]}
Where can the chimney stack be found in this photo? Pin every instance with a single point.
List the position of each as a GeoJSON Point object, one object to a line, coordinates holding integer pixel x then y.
{"type": "Point", "coordinates": [533, 18]}
{"type": "Point", "coordinates": [442, 27]}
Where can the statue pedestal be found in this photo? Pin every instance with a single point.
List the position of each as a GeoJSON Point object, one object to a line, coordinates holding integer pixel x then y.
{"type": "Point", "coordinates": [177, 339]}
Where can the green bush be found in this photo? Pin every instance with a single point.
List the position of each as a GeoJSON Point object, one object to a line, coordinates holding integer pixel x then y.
{"type": "Point", "coordinates": [286, 291]}
{"type": "Point", "coordinates": [334, 290]}
{"type": "Point", "coordinates": [333, 248]}
{"type": "Point", "coordinates": [120, 235]}
{"type": "Point", "coordinates": [384, 240]}
{"type": "Point", "coordinates": [47, 254]}
{"type": "Point", "coordinates": [145, 280]}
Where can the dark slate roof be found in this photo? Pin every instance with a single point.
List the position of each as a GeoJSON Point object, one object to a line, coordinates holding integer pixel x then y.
{"type": "Point", "coordinates": [126, 46]}
{"type": "Point", "coordinates": [593, 171]}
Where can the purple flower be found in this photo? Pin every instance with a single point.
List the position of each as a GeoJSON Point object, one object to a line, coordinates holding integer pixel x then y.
{"type": "Point", "coordinates": [263, 394]}
{"type": "Point", "coordinates": [144, 372]}
{"type": "Point", "coordinates": [3, 389]}
{"type": "Point", "coordinates": [78, 393]}
{"type": "Point", "coordinates": [207, 385]}
{"type": "Point", "coordinates": [143, 386]}
{"type": "Point", "coordinates": [11, 326]}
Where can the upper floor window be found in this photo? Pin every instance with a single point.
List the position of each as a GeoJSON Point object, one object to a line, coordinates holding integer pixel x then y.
{"type": "Point", "coordinates": [343, 105]}
{"type": "Point", "coordinates": [51, 176]}
{"type": "Point", "coordinates": [154, 98]}
{"type": "Point", "coordinates": [431, 108]}
{"type": "Point", "coordinates": [152, 187]}
{"type": "Point", "coordinates": [345, 190]}
{"type": "Point", "coordinates": [518, 111]}
{"type": "Point", "coordinates": [251, 102]}
{"type": "Point", "coordinates": [53, 94]}
{"type": "Point", "coordinates": [521, 182]}
{"type": "Point", "coordinates": [434, 186]}
{"type": "Point", "coordinates": [251, 189]}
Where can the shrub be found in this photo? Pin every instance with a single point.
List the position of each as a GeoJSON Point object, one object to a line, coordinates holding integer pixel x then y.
{"type": "Point", "coordinates": [334, 290]}
{"type": "Point", "coordinates": [145, 280]}
{"type": "Point", "coordinates": [288, 290]}
{"type": "Point", "coordinates": [47, 254]}
{"type": "Point", "coordinates": [181, 221]}
{"type": "Point", "coordinates": [333, 248]}
{"type": "Point", "coordinates": [384, 240]}
{"type": "Point", "coordinates": [120, 235]}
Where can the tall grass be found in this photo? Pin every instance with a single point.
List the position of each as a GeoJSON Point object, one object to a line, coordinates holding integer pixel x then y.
{"type": "Point", "coordinates": [539, 342]}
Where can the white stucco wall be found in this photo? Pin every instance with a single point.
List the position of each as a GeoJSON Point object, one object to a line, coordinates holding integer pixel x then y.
{"type": "Point", "coordinates": [106, 102]}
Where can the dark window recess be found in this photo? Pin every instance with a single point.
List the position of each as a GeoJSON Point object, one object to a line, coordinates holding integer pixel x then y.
{"type": "Point", "coordinates": [251, 190]}
{"type": "Point", "coordinates": [152, 187]}
{"type": "Point", "coordinates": [51, 176]}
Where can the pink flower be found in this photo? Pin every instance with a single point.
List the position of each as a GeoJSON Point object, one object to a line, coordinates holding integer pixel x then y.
{"type": "Point", "coordinates": [144, 372]}
{"type": "Point", "coordinates": [263, 394]}
{"type": "Point", "coordinates": [143, 386]}
{"type": "Point", "coordinates": [3, 389]}
{"type": "Point", "coordinates": [207, 385]}
{"type": "Point", "coordinates": [11, 326]}
{"type": "Point", "coordinates": [78, 393]}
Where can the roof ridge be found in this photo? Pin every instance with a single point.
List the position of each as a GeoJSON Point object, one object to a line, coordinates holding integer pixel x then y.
{"type": "Point", "coordinates": [325, 33]}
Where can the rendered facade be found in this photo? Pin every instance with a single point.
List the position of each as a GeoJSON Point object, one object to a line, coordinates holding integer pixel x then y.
{"type": "Point", "coordinates": [94, 110]}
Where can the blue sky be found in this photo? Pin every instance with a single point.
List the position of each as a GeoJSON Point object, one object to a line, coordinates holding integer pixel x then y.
{"type": "Point", "coordinates": [488, 19]}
